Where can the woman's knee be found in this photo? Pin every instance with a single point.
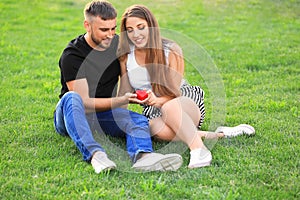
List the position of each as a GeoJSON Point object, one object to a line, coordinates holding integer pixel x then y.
{"type": "Point", "coordinates": [170, 106]}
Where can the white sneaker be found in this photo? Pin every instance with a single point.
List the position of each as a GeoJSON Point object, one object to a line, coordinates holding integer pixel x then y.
{"type": "Point", "coordinates": [100, 162]}
{"type": "Point", "coordinates": [200, 158]}
{"type": "Point", "coordinates": [236, 131]}
{"type": "Point", "coordinates": [158, 162]}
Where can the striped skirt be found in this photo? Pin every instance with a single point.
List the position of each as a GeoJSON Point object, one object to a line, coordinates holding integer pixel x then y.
{"type": "Point", "coordinates": [193, 92]}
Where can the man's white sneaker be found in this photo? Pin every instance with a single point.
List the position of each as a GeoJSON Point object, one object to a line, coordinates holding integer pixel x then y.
{"type": "Point", "coordinates": [236, 131]}
{"type": "Point", "coordinates": [100, 162]}
{"type": "Point", "coordinates": [158, 162]}
{"type": "Point", "coordinates": [200, 158]}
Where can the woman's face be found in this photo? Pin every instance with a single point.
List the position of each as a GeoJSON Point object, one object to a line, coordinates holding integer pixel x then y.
{"type": "Point", "coordinates": [137, 31]}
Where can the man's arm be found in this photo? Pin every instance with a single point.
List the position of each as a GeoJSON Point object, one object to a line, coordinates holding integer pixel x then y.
{"type": "Point", "coordinates": [124, 86]}
{"type": "Point", "coordinates": [96, 104]}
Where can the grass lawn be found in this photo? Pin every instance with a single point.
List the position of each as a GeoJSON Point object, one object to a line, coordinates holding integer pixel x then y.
{"type": "Point", "coordinates": [249, 67]}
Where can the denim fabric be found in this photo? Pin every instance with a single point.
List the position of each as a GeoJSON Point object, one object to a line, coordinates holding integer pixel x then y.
{"type": "Point", "coordinates": [70, 120]}
{"type": "Point", "coordinates": [133, 126]}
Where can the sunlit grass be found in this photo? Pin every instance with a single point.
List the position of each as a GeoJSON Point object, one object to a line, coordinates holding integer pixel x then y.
{"type": "Point", "coordinates": [255, 46]}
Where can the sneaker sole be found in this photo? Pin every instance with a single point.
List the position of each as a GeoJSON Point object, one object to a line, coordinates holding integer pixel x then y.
{"type": "Point", "coordinates": [248, 127]}
{"type": "Point", "coordinates": [105, 170]}
{"type": "Point", "coordinates": [103, 166]}
{"type": "Point", "coordinates": [168, 163]}
{"type": "Point", "coordinates": [205, 164]}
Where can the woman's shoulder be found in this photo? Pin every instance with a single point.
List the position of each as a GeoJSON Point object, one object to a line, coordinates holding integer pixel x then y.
{"type": "Point", "coordinates": [172, 46]}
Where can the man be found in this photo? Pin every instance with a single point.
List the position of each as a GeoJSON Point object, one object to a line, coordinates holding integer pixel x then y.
{"type": "Point", "coordinates": [90, 72]}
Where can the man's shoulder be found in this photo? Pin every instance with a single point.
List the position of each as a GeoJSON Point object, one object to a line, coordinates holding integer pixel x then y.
{"type": "Point", "coordinates": [76, 47]}
{"type": "Point", "coordinates": [78, 43]}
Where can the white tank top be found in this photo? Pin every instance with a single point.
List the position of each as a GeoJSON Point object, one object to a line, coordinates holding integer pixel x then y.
{"type": "Point", "coordinates": [138, 75]}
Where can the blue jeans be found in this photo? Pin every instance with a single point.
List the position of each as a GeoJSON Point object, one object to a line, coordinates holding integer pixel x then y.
{"type": "Point", "coordinates": [70, 120]}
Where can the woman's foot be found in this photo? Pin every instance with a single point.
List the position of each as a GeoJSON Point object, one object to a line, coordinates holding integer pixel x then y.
{"type": "Point", "coordinates": [200, 158]}
{"type": "Point", "coordinates": [210, 135]}
{"type": "Point", "coordinates": [242, 129]}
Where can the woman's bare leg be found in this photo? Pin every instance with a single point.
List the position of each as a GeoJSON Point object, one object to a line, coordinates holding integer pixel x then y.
{"type": "Point", "coordinates": [179, 120]}
{"type": "Point", "coordinates": [210, 135]}
{"type": "Point", "coordinates": [189, 107]}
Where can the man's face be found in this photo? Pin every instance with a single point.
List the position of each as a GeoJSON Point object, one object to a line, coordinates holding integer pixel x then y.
{"type": "Point", "coordinates": [101, 32]}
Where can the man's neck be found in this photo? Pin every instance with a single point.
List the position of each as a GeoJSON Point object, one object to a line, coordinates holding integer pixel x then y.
{"type": "Point", "coordinates": [92, 44]}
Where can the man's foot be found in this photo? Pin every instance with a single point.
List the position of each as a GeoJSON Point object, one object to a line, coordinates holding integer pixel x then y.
{"type": "Point", "coordinates": [100, 162]}
{"type": "Point", "coordinates": [236, 131]}
{"type": "Point", "coordinates": [158, 162]}
{"type": "Point", "coordinates": [200, 158]}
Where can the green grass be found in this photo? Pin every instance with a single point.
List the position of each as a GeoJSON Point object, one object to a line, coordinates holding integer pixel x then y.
{"type": "Point", "coordinates": [256, 48]}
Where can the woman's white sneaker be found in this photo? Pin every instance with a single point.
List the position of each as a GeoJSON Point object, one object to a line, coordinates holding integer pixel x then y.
{"type": "Point", "coordinates": [200, 158]}
{"type": "Point", "coordinates": [242, 129]}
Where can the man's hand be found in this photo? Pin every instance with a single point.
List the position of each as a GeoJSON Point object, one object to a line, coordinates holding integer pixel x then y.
{"type": "Point", "coordinates": [133, 98]}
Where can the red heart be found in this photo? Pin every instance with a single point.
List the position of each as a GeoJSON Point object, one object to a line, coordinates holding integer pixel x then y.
{"type": "Point", "coordinates": [141, 94]}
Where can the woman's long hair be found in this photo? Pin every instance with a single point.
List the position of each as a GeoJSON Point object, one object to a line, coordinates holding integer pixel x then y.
{"type": "Point", "coordinates": [160, 74]}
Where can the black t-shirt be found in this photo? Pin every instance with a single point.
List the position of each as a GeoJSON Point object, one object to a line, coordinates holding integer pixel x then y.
{"type": "Point", "coordinates": [101, 69]}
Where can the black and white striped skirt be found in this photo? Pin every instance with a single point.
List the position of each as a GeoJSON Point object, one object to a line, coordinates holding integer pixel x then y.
{"type": "Point", "coordinates": [193, 92]}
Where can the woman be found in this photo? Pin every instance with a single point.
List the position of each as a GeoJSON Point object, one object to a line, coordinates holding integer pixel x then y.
{"type": "Point", "coordinates": [174, 108]}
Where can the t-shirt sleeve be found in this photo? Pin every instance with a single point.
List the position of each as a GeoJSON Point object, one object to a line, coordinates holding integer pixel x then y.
{"type": "Point", "coordinates": [70, 67]}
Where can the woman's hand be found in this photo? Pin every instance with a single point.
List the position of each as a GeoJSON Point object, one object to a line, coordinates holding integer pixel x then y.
{"type": "Point", "coordinates": [151, 100]}
{"type": "Point", "coordinates": [155, 101]}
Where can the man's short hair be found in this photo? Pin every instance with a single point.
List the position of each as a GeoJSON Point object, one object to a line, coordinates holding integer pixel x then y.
{"type": "Point", "coordinates": [100, 8]}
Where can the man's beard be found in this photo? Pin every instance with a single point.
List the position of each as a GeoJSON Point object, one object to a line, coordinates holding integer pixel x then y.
{"type": "Point", "coordinates": [98, 43]}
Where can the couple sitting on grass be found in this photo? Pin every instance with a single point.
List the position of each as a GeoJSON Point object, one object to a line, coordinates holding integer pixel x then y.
{"type": "Point", "coordinates": [94, 63]}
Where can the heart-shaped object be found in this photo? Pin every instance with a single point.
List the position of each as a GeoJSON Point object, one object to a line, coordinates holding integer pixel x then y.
{"type": "Point", "coordinates": [141, 94]}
